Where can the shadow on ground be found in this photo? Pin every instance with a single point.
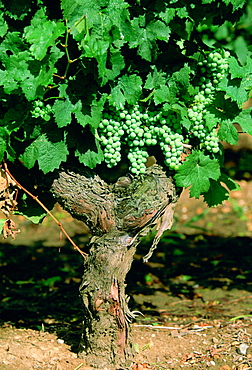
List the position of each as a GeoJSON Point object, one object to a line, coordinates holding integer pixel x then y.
{"type": "Point", "coordinates": [39, 286]}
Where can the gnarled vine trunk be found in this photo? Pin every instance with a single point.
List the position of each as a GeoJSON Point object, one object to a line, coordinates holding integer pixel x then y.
{"type": "Point", "coordinates": [117, 215]}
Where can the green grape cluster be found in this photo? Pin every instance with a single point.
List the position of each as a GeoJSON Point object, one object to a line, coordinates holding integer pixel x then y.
{"type": "Point", "coordinates": [111, 132]}
{"type": "Point", "coordinates": [41, 111]}
{"type": "Point", "coordinates": [212, 69]}
{"type": "Point", "coordinates": [140, 129]}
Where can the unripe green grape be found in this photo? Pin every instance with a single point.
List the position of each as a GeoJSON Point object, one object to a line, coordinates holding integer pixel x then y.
{"type": "Point", "coordinates": [147, 135]}
{"type": "Point", "coordinates": [110, 128]}
{"type": "Point", "coordinates": [136, 142]}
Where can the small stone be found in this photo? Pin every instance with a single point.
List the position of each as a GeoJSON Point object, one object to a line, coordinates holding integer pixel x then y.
{"type": "Point", "coordinates": [242, 349]}
{"type": "Point", "coordinates": [60, 341]}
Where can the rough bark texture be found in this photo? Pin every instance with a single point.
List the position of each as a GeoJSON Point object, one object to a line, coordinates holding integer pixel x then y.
{"type": "Point", "coordinates": [117, 215]}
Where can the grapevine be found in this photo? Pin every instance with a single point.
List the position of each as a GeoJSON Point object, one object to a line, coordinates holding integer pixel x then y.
{"type": "Point", "coordinates": [149, 78]}
{"type": "Point", "coordinates": [140, 128]}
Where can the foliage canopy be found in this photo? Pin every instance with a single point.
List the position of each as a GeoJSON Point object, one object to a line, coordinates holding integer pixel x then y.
{"type": "Point", "coordinates": [64, 63]}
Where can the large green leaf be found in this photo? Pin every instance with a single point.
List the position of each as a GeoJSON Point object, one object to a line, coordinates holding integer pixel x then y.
{"type": "Point", "coordinates": [42, 33]}
{"type": "Point", "coordinates": [228, 132]}
{"type": "Point", "coordinates": [89, 153]}
{"type": "Point", "coordinates": [3, 26]}
{"type": "Point", "coordinates": [196, 172]}
{"type": "Point", "coordinates": [245, 120]}
{"type": "Point", "coordinates": [49, 153]}
{"type": "Point", "coordinates": [63, 112]}
{"type": "Point", "coordinates": [131, 86]}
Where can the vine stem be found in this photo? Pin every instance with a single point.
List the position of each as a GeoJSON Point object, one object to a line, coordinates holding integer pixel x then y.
{"type": "Point", "coordinates": [46, 209]}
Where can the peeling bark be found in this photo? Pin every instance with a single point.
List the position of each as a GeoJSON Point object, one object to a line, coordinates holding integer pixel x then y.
{"type": "Point", "coordinates": [117, 215]}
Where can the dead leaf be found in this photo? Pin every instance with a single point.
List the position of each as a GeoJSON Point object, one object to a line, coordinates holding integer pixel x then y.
{"type": "Point", "coordinates": [187, 357]}
{"type": "Point", "coordinates": [243, 367]}
{"type": "Point", "coordinates": [215, 352]}
{"type": "Point", "coordinates": [8, 193]}
{"type": "Point", "coordinates": [5, 180]}
{"type": "Point", "coordinates": [141, 366]}
{"type": "Point", "coordinates": [224, 367]}
{"type": "Point", "coordinates": [9, 229]}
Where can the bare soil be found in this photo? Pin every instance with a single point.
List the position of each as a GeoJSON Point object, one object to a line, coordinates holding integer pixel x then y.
{"type": "Point", "coordinates": [194, 295]}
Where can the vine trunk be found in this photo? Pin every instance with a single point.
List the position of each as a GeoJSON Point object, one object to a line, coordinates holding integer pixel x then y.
{"type": "Point", "coordinates": [117, 215]}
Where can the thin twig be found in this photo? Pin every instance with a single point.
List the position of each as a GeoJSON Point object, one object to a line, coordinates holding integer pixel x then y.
{"type": "Point", "coordinates": [158, 327]}
{"type": "Point", "coordinates": [79, 366]}
{"type": "Point", "coordinates": [187, 146]}
{"type": "Point", "coordinates": [46, 209]}
{"type": "Point", "coordinates": [175, 328]}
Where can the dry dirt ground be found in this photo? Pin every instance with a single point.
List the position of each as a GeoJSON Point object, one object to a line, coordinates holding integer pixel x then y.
{"type": "Point", "coordinates": [195, 293]}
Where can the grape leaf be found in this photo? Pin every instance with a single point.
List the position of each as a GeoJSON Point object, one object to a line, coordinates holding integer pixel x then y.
{"type": "Point", "coordinates": [117, 97]}
{"type": "Point", "coordinates": [144, 36]}
{"type": "Point", "coordinates": [139, 39]}
{"type": "Point", "coordinates": [81, 16]}
{"type": "Point", "coordinates": [236, 3]}
{"type": "Point", "coordinates": [234, 89]}
{"type": "Point", "coordinates": [89, 153]}
{"type": "Point", "coordinates": [3, 26]}
{"type": "Point", "coordinates": [211, 120]}
{"type": "Point", "coordinates": [182, 77]}
{"type": "Point", "coordinates": [49, 154]}
{"type": "Point", "coordinates": [131, 85]}
{"type": "Point", "coordinates": [63, 112]}
{"type": "Point", "coordinates": [14, 118]}
{"type": "Point", "coordinates": [31, 210]}
{"type": "Point", "coordinates": [158, 30]}
{"type": "Point", "coordinates": [17, 69]}
{"type": "Point", "coordinates": [30, 155]}
{"type": "Point", "coordinates": [94, 47]}
{"type": "Point", "coordinates": [117, 64]}
{"type": "Point", "coordinates": [239, 71]}
{"type": "Point", "coordinates": [154, 79]}
{"type": "Point", "coordinates": [42, 33]}
{"type": "Point", "coordinates": [196, 172]}
{"type": "Point", "coordinates": [97, 108]}
{"type": "Point", "coordinates": [44, 75]}
{"type": "Point", "coordinates": [13, 42]}
{"type": "Point", "coordinates": [245, 120]}
{"type": "Point", "coordinates": [167, 15]}
{"type": "Point", "coordinates": [162, 94]}
{"type": "Point", "coordinates": [227, 132]}
{"type": "Point", "coordinates": [217, 193]}
{"type": "Point", "coordinates": [230, 184]}
{"type": "Point", "coordinates": [185, 122]}
{"type": "Point", "coordinates": [93, 119]}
